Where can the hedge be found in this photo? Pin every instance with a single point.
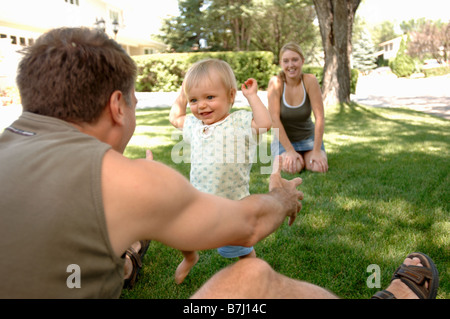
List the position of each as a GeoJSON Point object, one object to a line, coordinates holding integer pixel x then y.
{"type": "Point", "coordinates": [165, 72]}
{"type": "Point", "coordinates": [318, 72]}
{"type": "Point", "coordinates": [437, 71]}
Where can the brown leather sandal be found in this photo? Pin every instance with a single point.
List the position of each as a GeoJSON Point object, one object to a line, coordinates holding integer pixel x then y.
{"type": "Point", "coordinates": [136, 260]}
{"type": "Point", "coordinates": [415, 277]}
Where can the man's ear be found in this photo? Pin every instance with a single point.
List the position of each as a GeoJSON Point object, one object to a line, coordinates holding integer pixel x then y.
{"type": "Point", "coordinates": [116, 107]}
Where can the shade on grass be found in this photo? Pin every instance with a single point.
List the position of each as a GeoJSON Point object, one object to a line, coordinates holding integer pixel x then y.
{"type": "Point", "coordinates": [386, 195]}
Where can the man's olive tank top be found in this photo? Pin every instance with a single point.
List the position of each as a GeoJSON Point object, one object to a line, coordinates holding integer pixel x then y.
{"type": "Point", "coordinates": [53, 236]}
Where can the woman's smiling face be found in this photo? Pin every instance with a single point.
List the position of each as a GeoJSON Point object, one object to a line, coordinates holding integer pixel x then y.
{"type": "Point", "coordinates": [291, 63]}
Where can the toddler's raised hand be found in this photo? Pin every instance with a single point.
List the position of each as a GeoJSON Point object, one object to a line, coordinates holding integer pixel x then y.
{"type": "Point", "coordinates": [249, 87]}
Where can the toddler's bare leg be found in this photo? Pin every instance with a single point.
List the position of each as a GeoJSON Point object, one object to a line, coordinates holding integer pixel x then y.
{"type": "Point", "coordinates": [183, 269]}
{"type": "Point", "coordinates": [251, 255]}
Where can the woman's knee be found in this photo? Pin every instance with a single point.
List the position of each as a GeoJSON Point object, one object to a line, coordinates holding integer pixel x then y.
{"type": "Point", "coordinates": [295, 168]}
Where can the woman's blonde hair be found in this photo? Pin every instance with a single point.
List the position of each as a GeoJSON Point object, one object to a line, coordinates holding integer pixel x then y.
{"type": "Point", "coordinates": [294, 47]}
{"type": "Point", "coordinates": [201, 69]}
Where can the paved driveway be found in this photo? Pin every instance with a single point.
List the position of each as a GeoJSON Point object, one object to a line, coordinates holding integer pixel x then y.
{"type": "Point", "coordinates": [429, 95]}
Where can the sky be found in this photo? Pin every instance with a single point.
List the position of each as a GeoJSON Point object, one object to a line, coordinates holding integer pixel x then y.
{"type": "Point", "coordinates": [373, 11]}
{"type": "Point", "coordinates": [152, 12]}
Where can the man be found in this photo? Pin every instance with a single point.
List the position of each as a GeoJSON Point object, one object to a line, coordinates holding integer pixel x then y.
{"type": "Point", "coordinates": [71, 204]}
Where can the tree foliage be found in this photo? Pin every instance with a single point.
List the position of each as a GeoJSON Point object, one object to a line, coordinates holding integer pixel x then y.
{"type": "Point", "coordinates": [280, 21]}
{"type": "Point", "coordinates": [429, 39]}
{"type": "Point", "coordinates": [383, 32]}
{"type": "Point", "coordinates": [364, 52]}
{"type": "Point", "coordinates": [185, 31]}
{"type": "Point", "coordinates": [267, 25]}
{"type": "Point", "coordinates": [242, 25]}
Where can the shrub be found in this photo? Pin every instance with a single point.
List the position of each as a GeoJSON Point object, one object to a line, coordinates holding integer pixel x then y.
{"type": "Point", "coordinates": [354, 80]}
{"type": "Point", "coordinates": [402, 66]}
{"type": "Point", "coordinates": [165, 72]}
{"type": "Point", "coordinates": [160, 72]}
{"type": "Point", "coordinates": [437, 71]}
{"type": "Point", "coordinates": [318, 72]}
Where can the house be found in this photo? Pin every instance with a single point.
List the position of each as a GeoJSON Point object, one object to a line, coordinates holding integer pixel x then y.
{"type": "Point", "coordinates": [389, 48]}
{"type": "Point", "coordinates": [23, 21]}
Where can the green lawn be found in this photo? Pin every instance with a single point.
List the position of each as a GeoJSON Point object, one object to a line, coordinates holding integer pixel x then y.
{"type": "Point", "coordinates": [386, 195]}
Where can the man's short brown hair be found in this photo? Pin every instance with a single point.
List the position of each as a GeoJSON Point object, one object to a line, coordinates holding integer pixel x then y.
{"type": "Point", "coordinates": [70, 74]}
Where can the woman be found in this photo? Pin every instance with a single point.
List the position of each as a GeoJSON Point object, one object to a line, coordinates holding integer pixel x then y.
{"type": "Point", "coordinates": [292, 97]}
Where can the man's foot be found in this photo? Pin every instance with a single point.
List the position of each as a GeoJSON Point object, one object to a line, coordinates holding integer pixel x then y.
{"type": "Point", "coordinates": [416, 278]}
{"type": "Point", "coordinates": [185, 266]}
{"type": "Point", "coordinates": [133, 262]}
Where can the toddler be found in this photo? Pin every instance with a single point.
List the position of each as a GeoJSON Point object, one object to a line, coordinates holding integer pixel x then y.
{"type": "Point", "coordinates": [221, 142]}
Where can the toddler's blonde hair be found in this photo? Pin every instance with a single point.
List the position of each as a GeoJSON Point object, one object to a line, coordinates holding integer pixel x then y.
{"type": "Point", "coordinates": [201, 69]}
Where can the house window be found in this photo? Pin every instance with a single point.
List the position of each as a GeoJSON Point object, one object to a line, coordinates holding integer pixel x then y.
{"type": "Point", "coordinates": [76, 2]}
{"type": "Point", "coordinates": [18, 40]}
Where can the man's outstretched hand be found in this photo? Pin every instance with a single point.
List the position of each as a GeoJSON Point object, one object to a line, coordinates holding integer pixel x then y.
{"type": "Point", "coordinates": [291, 195]}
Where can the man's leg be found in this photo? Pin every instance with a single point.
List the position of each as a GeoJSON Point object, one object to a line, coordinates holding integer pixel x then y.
{"type": "Point", "coordinates": [253, 278]}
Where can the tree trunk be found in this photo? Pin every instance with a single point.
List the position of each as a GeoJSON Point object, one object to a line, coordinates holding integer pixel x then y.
{"type": "Point", "coordinates": [336, 25]}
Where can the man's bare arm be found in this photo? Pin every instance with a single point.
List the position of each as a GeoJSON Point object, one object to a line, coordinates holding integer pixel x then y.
{"type": "Point", "coordinates": [148, 200]}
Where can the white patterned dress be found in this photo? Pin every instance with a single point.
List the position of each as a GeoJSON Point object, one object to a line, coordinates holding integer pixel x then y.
{"type": "Point", "coordinates": [221, 159]}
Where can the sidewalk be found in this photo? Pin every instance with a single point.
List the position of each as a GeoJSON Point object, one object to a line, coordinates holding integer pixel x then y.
{"type": "Point", "coordinates": [166, 99]}
{"type": "Point", "coordinates": [429, 95]}
{"type": "Point", "coordinates": [10, 113]}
